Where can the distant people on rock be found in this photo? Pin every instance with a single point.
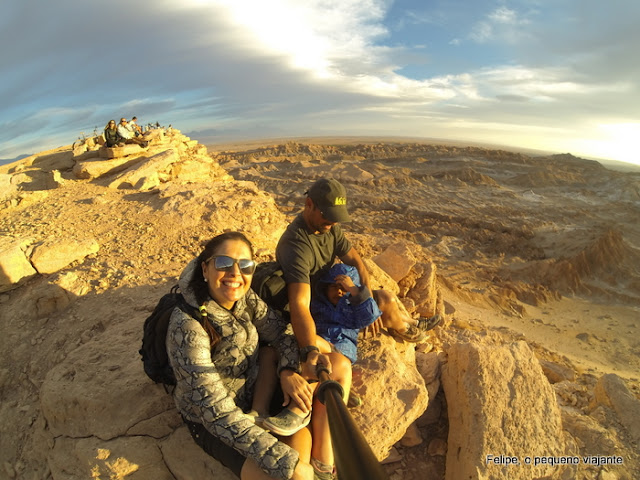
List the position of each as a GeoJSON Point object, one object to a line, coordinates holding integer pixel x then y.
{"type": "Point", "coordinates": [111, 136]}
{"type": "Point", "coordinates": [216, 356]}
{"type": "Point", "coordinates": [134, 127]}
{"type": "Point", "coordinates": [126, 132]}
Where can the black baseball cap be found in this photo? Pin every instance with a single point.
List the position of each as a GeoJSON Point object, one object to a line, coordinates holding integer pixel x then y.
{"type": "Point", "coordinates": [330, 197]}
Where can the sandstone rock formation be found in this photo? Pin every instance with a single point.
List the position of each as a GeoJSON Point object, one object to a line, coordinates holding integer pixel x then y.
{"type": "Point", "coordinates": [500, 404]}
{"type": "Point", "coordinates": [612, 392]}
{"type": "Point", "coordinates": [89, 244]}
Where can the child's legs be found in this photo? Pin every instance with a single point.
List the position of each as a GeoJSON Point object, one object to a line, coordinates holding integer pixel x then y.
{"type": "Point", "coordinates": [267, 380]}
{"type": "Point", "coordinates": [394, 315]}
{"type": "Point", "coordinates": [324, 345]}
{"type": "Point", "coordinates": [300, 441]}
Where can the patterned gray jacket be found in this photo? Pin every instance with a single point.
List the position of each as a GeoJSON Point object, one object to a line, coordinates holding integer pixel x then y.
{"type": "Point", "coordinates": [214, 387]}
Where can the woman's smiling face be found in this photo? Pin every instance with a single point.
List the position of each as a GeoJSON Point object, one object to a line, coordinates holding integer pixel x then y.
{"type": "Point", "coordinates": [226, 288]}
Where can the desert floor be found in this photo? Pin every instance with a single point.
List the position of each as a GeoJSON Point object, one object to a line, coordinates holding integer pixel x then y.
{"type": "Point", "coordinates": [545, 249]}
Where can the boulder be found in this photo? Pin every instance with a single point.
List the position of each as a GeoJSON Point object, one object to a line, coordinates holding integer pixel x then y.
{"type": "Point", "coordinates": [88, 169]}
{"type": "Point", "coordinates": [14, 265]}
{"type": "Point", "coordinates": [79, 149]}
{"type": "Point", "coordinates": [593, 436]}
{"type": "Point", "coordinates": [7, 188]}
{"type": "Point", "coordinates": [424, 290]}
{"type": "Point", "coordinates": [218, 202]}
{"type": "Point", "coordinates": [393, 392]}
{"type": "Point", "coordinates": [557, 373]}
{"type": "Point", "coordinates": [32, 180]}
{"type": "Point", "coordinates": [499, 404]}
{"type": "Point", "coordinates": [86, 155]}
{"type": "Point", "coordinates": [428, 365]}
{"type": "Point", "coordinates": [147, 175]}
{"type": "Point", "coordinates": [397, 260]}
{"type": "Point", "coordinates": [123, 151]}
{"type": "Point", "coordinates": [379, 278]}
{"type": "Point", "coordinates": [154, 135]}
{"type": "Point", "coordinates": [135, 458]}
{"type": "Point", "coordinates": [100, 390]}
{"type": "Point", "coordinates": [199, 168]}
{"type": "Point", "coordinates": [57, 253]}
{"type": "Point", "coordinates": [612, 392]}
{"type": "Point", "coordinates": [49, 295]}
{"type": "Point", "coordinates": [412, 436]}
{"type": "Point", "coordinates": [60, 160]}
{"type": "Point", "coordinates": [187, 461]}
{"type": "Point", "coordinates": [45, 299]}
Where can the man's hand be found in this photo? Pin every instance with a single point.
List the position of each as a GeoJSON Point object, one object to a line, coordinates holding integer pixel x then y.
{"type": "Point", "coordinates": [314, 359]}
{"type": "Point", "coordinates": [374, 328]}
{"type": "Point", "coordinates": [296, 389]}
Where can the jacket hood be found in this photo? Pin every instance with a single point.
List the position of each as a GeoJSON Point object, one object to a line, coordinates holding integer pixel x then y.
{"type": "Point", "coordinates": [185, 278]}
{"type": "Point", "coordinates": [341, 269]}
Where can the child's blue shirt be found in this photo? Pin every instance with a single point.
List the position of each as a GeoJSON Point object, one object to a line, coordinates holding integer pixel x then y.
{"type": "Point", "coordinates": [341, 324]}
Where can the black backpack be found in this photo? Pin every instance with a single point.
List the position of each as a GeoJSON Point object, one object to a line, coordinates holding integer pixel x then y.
{"type": "Point", "coordinates": [270, 286]}
{"type": "Point", "coordinates": [154, 350]}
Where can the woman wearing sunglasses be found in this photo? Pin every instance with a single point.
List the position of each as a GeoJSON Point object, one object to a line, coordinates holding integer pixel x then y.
{"type": "Point", "coordinates": [111, 136]}
{"type": "Point", "coordinates": [214, 355]}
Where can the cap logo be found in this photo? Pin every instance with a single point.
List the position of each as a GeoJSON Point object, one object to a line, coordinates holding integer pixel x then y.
{"type": "Point", "coordinates": [340, 201]}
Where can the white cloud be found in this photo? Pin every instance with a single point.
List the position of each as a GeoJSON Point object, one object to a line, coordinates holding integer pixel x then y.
{"type": "Point", "coordinates": [504, 15]}
{"type": "Point", "coordinates": [502, 24]}
{"type": "Point", "coordinates": [322, 37]}
{"type": "Point", "coordinates": [319, 65]}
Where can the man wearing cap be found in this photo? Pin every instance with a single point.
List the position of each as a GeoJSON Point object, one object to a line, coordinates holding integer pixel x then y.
{"type": "Point", "coordinates": [307, 248]}
{"type": "Point", "coordinates": [306, 251]}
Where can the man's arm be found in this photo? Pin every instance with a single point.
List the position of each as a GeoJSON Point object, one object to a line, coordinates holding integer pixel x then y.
{"type": "Point", "coordinates": [353, 259]}
{"type": "Point", "coordinates": [304, 328]}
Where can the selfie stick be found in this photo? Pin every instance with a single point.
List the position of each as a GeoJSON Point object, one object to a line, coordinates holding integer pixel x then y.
{"type": "Point", "coordinates": [354, 458]}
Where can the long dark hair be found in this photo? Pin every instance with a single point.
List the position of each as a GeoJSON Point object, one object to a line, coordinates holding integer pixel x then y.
{"type": "Point", "coordinates": [197, 284]}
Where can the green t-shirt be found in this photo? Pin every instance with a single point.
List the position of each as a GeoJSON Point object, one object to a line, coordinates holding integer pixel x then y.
{"type": "Point", "coordinates": [303, 255]}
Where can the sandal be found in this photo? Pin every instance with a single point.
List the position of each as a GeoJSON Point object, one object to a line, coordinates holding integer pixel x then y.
{"type": "Point", "coordinates": [286, 423]}
{"type": "Point", "coordinates": [425, 324]}
{"type": "Point", "coordinates": [412, 334]}
{"type": "Point", "coordinates": [321, 472]}
{"type": "Point", "coordinates": [324, 475]}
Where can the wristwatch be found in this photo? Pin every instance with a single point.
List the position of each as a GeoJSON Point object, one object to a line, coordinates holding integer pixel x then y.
{"type": "Point", "coordinates": [304, 352]}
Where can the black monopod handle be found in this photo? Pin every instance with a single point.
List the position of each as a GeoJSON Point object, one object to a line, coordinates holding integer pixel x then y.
{"type": "Point", "coordinates": [354, 458]}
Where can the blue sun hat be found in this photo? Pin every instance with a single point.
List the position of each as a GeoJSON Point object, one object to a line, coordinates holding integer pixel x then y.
{"type": "Point", "coordinates": [341, 269]}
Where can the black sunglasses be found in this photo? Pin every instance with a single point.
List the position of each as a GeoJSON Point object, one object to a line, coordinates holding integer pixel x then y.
{"type": "Point", "coordinates": [223, 263]}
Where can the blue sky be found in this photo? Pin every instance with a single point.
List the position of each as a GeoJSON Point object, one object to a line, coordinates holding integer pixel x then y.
{"type": "Point", "coordinates": [558, 75]}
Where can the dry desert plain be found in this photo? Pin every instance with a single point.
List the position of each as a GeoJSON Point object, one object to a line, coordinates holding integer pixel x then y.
{"type": "Point", "coordinates": [544, 249]}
